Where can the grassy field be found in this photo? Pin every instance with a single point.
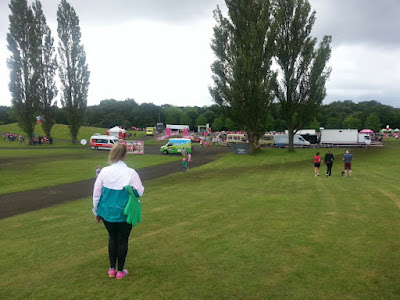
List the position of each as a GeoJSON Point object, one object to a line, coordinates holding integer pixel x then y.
{"type": "Point", "coordinates": [59, 132]}
{"type": "Point", "coordinates": [242, 227]}
{"type": "Point", "coordinates": [36, 168]}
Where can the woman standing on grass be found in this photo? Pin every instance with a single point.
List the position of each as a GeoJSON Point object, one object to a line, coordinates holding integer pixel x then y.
{"type": "Point", "coordinates": [109, 201]}
{"type": "Point", "coordinates": [317, 164]}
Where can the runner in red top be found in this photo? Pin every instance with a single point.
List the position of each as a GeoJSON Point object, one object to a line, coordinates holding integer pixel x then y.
{"type": "Point", "coordinates": [317, 164]}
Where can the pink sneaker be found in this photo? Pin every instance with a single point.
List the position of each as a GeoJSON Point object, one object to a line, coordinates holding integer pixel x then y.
{"type": "Point", "coordinates": [112, 272]}
{"type": "Point", "coordinates": [122, 274]}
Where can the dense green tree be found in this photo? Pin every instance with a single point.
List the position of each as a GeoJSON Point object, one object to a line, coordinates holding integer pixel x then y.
{"type": "Point", "coordinates": [47, 69]}
{"type": "Point", "coordinates": [243, 44]}
{"type": "Point", "coordinates": [373, 122]}
{"type": "Point", "coordinates": [192, 114]}
{"type": "Point", "coordinates": [127, 125]}
{"type": "Point", "coordinates": [352, 122]}
{"type": "Point", "coordinates": [201, 120]}
{"type": "Point", "coordinates": [333, 123]}
{"type": "Point", "coordinates": [210, 115]}
{"type": "Point", "coordinates": [60, 116]}
{"type": "Point", "coordinates": [153, 114]}
{"type": "Point", "coordinates": [185, 119]}
{"type": "Point", "coordinates": [218, 124]}
{"type": "Point", "coordinates": [73, 69]}
{"type": "Point", "coordinates": [230, 125]}
{"type": "Point", "coordinates": [314, 124]}
{"type": "Point", "coordinates": [23, 65]}
{"type": "Point", "coordinates": [269, 122]}
{"type": "Point", "coordinates": [173, 115]}
{"type": "Point", "coordinates": [302, 68]}
{"type": "Point", "coordinates": [6, 115]}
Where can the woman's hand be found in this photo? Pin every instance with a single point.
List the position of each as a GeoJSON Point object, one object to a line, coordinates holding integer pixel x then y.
{"type": "Point", "coordinates": [98, 219]}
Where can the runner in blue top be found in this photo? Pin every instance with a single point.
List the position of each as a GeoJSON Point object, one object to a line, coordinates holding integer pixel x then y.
{"type": "Point", "coordinates": [347, 157]}
{"type": "Point", "coordinates": [109, 201]}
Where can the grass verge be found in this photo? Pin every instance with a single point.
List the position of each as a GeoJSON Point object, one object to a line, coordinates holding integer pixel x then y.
{"type": "Point", "coordinates": [36, 168]}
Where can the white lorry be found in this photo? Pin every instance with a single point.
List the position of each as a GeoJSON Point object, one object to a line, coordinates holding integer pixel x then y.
{"type": "Point", "coordinates": [283, 140]}
{"type": "Point", "coordinates": [344, 137]}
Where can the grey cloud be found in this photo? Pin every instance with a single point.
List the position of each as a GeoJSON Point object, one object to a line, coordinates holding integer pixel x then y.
{"type": "Point", "coordinates": [106, 11]}
{"type": "Point", "coordinates": [374, 22]}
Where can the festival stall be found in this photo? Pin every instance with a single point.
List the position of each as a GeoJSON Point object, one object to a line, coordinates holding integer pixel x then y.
{"type": "Point", "coordinates": [118, 132]}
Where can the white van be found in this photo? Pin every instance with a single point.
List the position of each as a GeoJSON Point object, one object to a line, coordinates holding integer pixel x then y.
{"type": "Point", "coordinates": [283, 140]}
{"type": "Point", "coordinates": [103, 142]}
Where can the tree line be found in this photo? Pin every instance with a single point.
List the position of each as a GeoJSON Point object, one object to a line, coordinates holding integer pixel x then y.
{"type": "Point", "coordinates": [33, 64]}
{"type": "Point", "coordinates": [127, 113]}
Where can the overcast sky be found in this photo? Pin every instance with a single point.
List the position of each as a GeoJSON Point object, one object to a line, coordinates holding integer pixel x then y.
{"type": "Point", "coordinates": [159, 50]}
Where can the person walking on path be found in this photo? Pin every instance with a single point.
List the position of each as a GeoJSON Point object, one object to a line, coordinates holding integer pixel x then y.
{"type": "Point", "coordinates": [184, 165]}
{"type": "Point", "coordinates": [329, 162]}
{"type": "Point", "coordinates": [347, 157]}
{"type": "Point", "coordinates": [317, 164]}
{"type": "Point", "coordinates": [109, 201]}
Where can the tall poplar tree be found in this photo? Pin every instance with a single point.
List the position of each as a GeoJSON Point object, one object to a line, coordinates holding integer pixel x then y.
{"type": "Point", "coordinates": [243, 44]}
{"type": "Point", "coordinates": [47, 69]}
{"type": "Point", "coordinates": [302, 68]}
{"type": "Point", "coordinates": [73, 69]}
{"type": "Point", "coordinates": [22, 43]}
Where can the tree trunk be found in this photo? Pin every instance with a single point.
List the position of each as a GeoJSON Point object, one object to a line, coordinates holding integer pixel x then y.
{"type": "Point", "coordinates": [291, 136]}
{"type": "Point", "coordinates": [251, 142]}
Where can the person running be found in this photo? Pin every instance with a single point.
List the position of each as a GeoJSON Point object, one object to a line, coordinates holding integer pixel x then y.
{"type": "Point", "coordinates": [317, 164]}
{"type": "Point", "coordinates": [329, 162]}
{"type": "Point", "coordinates": [109, 201]}
{"type": "Point", "coordinates": [347, 157]}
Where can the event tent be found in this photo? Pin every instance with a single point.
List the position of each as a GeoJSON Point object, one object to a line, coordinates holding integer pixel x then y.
{"type": "Point", "coordinates": [366, 131]}
{"type": "Point", "coordinates": [118, 132]}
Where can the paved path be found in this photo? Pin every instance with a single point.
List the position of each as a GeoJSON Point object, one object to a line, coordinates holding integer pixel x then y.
{"type": "Point", "coordinates": [22, 202]}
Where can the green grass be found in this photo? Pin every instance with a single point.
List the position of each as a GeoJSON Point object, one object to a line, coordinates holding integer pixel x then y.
{"type": "Point", "coordinates": [242, 227]}
{"type": "Point", "coordinates": [37, 168]}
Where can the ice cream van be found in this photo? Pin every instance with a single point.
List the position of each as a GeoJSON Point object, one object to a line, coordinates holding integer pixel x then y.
{"type": "Point", "coordinates": [176, 146]}
{"type": "Point", "coordinates": [103, 142]}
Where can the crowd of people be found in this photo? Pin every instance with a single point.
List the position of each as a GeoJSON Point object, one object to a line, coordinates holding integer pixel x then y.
{"type": "Point", "coordinates": [11, 137]}
{"type": "Point", "coordinates": [37, 140]}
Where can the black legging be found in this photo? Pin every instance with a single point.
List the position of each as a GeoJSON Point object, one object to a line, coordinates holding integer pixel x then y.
{"type": "Point", "coordinates": [118, 242]}
{"type": "Point", "coordinates": [329, 169]}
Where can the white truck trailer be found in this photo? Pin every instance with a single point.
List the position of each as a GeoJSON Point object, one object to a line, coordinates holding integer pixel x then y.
{"type": "Point", "coordinates": [344, 137]}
